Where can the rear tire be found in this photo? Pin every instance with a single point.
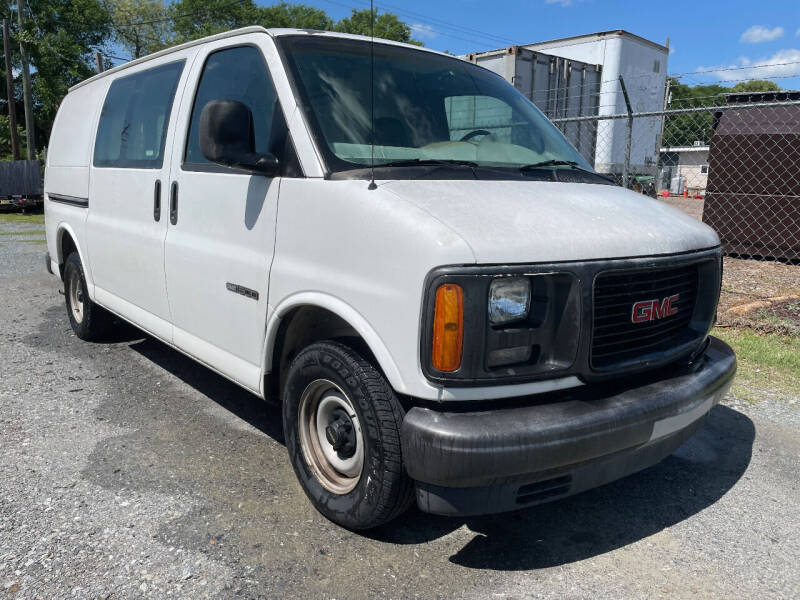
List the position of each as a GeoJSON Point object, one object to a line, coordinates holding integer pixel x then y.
{"type": "Point", "coordinates": [89, 321]}
{"type": "Point", "coordinates": [341, 422]}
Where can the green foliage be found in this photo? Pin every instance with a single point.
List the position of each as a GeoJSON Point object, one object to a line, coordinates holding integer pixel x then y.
{"type": "Point", "coordinates": [386, 25]}
{"type": "Point", "coordinates": [684, 130]}
{"type": "Point", "coordinates": [64, 35]}
{"type": "Point", "coordinates": [300, 16]}
{"type": "Point", "coordinates": [207, 17]}
{"type": "Point", "coordinates": [5, 137]}
{"type": "Point", "coordinates": [756, 85]}
{"type": "Point", "coordinates": [194, 19]}
{"type": "Point", "coordinates": [140, 27]}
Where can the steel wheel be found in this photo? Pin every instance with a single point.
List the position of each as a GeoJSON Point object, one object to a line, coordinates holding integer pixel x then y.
{"type": "Point", "coordinates": [75, 295]}
{"type": "Point", "coordinates": [330, 436]}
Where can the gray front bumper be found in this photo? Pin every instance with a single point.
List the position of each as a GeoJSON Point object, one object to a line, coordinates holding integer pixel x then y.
{"type": "Point", "coordinates": [490, 461]}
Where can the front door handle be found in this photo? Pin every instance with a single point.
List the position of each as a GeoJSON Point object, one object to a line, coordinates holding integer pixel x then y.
{"type": "Point", "coordinates": [157, 201]}
{"type": "Point", "coordinates": [173, 203]}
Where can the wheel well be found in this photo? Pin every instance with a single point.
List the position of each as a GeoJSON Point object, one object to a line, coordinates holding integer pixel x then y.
{"type": "Point", "coordinates": [301, 327]}
{"type": "Point", "coordinates": [67, 247]}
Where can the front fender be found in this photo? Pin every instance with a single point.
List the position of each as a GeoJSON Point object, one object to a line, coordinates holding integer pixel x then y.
{"type": "Point", "coordinates": [344, 311]}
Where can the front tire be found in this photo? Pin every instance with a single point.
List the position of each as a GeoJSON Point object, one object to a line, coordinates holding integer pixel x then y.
{"type": "Point", "coordinates": [88, 320]}
{"type": "Point", "coordinates": [341, 422]}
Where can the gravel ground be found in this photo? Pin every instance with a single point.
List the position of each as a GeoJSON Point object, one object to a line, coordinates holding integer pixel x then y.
{"type": "Point", "coordinates": [128, 471]}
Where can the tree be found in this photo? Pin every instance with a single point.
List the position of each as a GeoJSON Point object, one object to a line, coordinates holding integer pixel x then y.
{"type": "Point", "coordinates": [192, 19]}
{"type": "Point", "coordinates": [61, 40]}
{"type": "Point", "coordinates": [5, 139]}
{"type": "Point", "coordinates": [63, 35]}
{"type": "Point", "coordinates": [756, 85]}
{"type": "Point", "coordinates": [684, 130]}
{"type": "Point", "coordinates": [386, 25]}
{"type": "Point", "coordinates": [140, 26]}
{"type": "Point", "coordinates": [300, 16]}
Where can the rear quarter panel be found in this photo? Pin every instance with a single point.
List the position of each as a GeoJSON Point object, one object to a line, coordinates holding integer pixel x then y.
{"type": "Point", "coordinates": [67, 169]}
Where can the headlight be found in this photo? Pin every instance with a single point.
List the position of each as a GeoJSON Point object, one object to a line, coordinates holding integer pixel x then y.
{"type": "Point", "coordinates": [509, 300]}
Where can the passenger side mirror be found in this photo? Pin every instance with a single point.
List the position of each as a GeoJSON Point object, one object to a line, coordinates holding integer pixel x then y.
{"type": "Point", "coordinates": [226, 138]}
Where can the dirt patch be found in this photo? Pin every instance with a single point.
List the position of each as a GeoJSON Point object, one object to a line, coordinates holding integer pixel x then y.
{"type": "Point", "coordinates": [778, 315]}
{"type": "Point", "coordinates": [760, 295]}
{"type": "Point", "coordinates": [692, 206]}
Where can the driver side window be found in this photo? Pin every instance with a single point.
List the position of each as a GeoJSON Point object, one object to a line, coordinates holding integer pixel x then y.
{"type": "Point", "coordinates": [237, 74]}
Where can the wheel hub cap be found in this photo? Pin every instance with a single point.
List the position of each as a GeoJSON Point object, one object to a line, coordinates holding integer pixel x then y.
{"type": "Point", "coordinates": [340, 435]}
{"type": "Point", "coordinates": [330, 436]}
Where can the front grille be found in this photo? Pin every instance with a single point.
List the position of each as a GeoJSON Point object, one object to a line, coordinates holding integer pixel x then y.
{"type": "Point", "coordinates": [616, 339]}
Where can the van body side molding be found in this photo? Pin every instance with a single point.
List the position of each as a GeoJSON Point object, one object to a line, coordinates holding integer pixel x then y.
{"type": "Point", "coordinates": [64, 199]}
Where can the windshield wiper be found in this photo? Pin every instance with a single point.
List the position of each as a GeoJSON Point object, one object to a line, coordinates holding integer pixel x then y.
{"type": "Point", "coordinates": [564, 163]}
{"type": "Point", "coordinates": [416, 162]}
{"type": "Point", "coordinates": [553, 163]}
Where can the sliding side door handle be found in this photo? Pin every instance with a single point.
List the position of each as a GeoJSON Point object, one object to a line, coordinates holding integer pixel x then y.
{"type": "Point", "coordinates": [157, 201]}
{"type": "Point", "coordinates": [173, 203]}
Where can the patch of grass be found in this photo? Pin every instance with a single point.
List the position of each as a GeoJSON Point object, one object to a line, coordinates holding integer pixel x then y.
{"type": "Point", "coordinates": [18, 218]}
{"type": "Point", "coordinates": [767, 362]}
{"type": "Point", "coordinates": [38, 242]}
{"type": "Point", "coordinates": [23, 232]}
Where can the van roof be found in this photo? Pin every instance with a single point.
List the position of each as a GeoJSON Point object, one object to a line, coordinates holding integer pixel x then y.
{"type": "Point", "coordinates": [278, 32]}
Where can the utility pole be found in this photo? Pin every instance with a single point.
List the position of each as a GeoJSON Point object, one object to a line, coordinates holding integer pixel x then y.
{"type": "Point", "coordinates": [12, 113]}
{"type": "Point", "coordinates": [98, 60]}
{"type": "Point", "coordinates": [26, 84]}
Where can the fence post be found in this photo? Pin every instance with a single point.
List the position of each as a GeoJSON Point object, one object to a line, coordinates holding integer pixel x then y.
{"type": "Point", "coordinates": [629, 134]}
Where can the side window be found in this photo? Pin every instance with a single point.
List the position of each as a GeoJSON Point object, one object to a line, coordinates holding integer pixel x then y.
{"type": "Point", "coordinates": [134, 119]}
{"type": "Point", "coordinates": [237, 74]}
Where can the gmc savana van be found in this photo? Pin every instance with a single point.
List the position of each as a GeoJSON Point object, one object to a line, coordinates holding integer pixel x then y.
{"type": "Point", "coordinates": [451, 306]}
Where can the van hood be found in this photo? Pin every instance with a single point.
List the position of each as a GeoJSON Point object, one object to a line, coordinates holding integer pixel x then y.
{"type": "Point", "coordinates": [520, 221]}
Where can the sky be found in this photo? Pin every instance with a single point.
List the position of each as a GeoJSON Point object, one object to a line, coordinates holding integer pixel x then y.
{"type": "Point", "coordinates": [726, 40]}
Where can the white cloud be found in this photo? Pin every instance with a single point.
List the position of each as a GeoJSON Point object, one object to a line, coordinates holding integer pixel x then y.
{"type": "Point", "coordinates": [758, 33]}
{"type": "Point", "coordinates": [423, 32]}
{"type": "Point", "coordinates": [560, 2]}
{"type": "Point", "coordinates": [784, 63]}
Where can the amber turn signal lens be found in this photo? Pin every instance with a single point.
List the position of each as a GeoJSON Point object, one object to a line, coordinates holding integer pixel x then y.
{"type": "Point", "coordinates": [448, 327]}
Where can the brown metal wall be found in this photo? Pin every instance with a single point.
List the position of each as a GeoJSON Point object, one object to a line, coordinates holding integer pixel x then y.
{"type": "Point", "coordinates": [753, 194]}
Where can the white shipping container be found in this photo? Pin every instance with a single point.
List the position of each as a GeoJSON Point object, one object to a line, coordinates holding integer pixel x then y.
{"type": "Point", "coordinates": [559, 87]}
{"type": "Point", "coordinates": [643, 66]}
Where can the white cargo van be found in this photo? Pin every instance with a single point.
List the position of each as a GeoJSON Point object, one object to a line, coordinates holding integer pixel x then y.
{"type": "Point", "coordinates": [449, 303]}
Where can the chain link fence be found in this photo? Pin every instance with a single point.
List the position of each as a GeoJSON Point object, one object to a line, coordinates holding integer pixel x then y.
{"type": "Point", "coordinates": [735, 164]}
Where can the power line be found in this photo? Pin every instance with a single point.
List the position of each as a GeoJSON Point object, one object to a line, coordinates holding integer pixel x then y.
{"type": "Point", "coordinates": [723, 69]}
{"type": "Point", "coordinates": [450, 35]}
{"type": "Point", "coordinates": [445, 24]}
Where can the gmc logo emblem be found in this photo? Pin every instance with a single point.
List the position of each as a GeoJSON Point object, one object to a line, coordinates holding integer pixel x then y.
{"type": "Point", "coordinates": [652, 310]}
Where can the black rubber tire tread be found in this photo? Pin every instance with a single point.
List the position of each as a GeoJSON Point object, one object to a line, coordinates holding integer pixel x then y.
{"type": "Point", "coordinates": [96, 320]}
{"type": "Point", "coordinates": [392, 491]}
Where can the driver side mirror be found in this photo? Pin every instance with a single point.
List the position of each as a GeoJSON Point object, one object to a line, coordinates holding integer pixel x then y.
{"type": "Point", "coordinates": [227, 138]}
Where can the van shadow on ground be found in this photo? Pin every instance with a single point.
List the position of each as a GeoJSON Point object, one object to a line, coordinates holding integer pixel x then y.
{"type": "Point", "coordinates": [562, 532]}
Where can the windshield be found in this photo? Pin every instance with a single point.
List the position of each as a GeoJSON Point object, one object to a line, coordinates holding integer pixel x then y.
{"type": "Point", "coordinates": [428, 107]}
